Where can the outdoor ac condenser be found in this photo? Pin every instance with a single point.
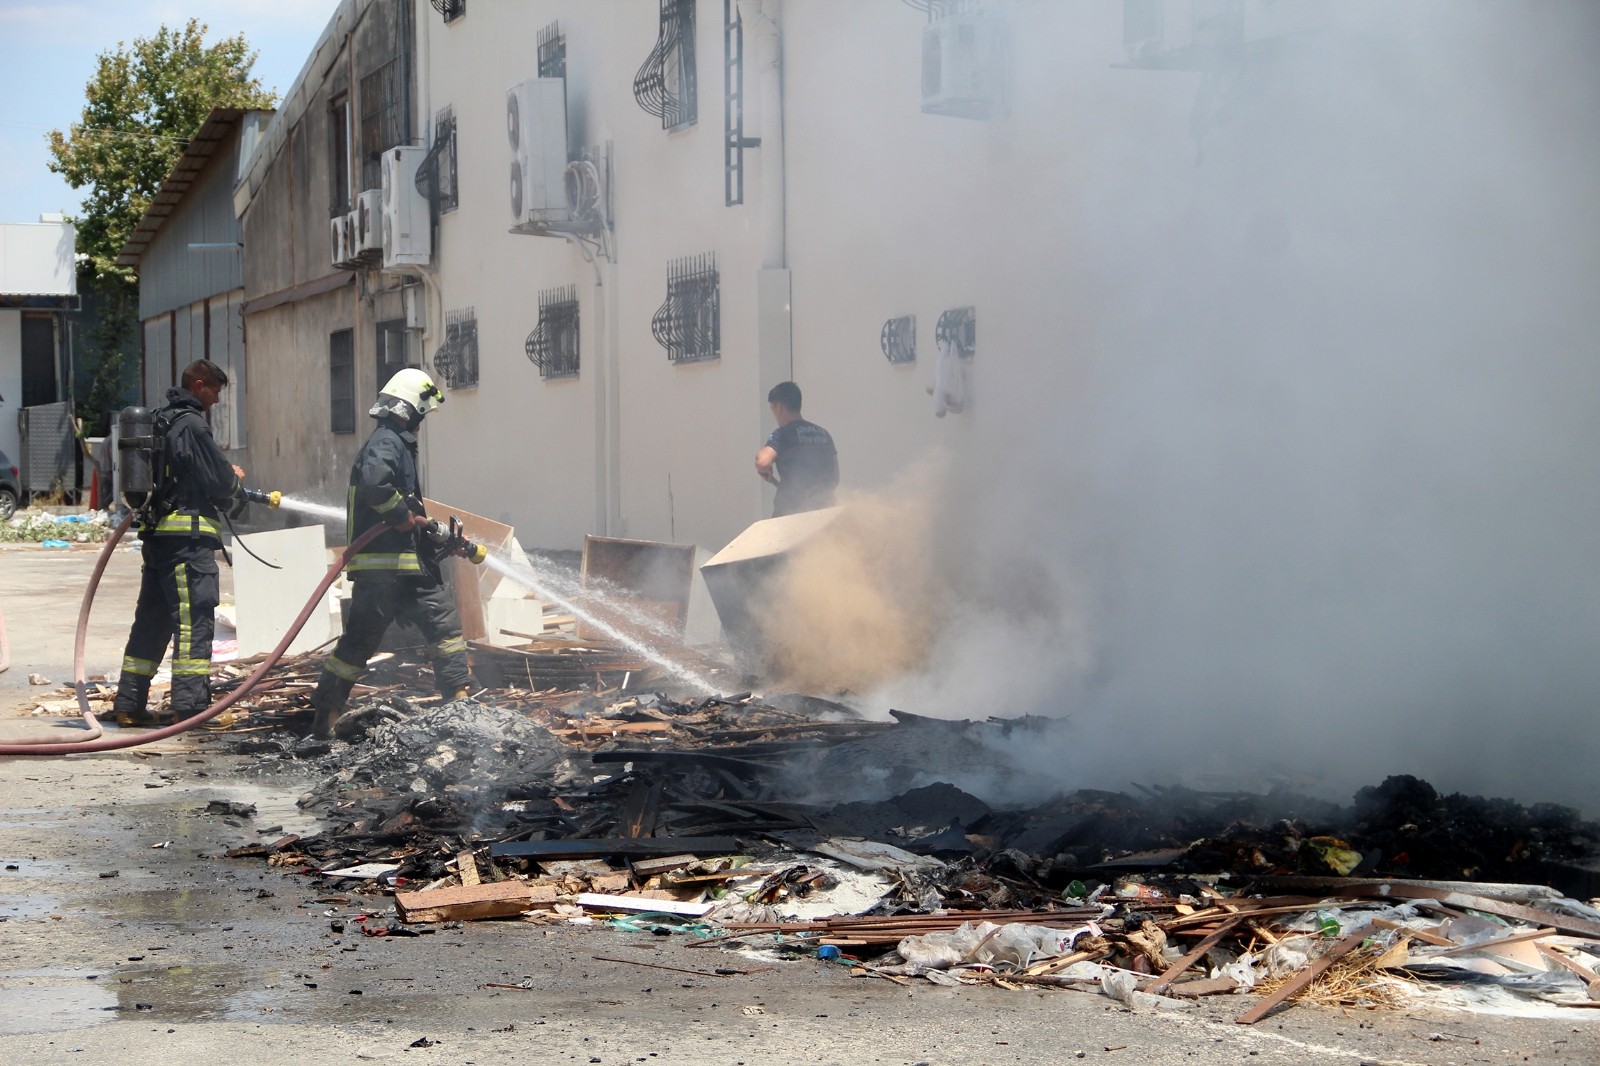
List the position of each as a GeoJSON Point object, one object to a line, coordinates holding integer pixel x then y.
{"type": "Point", "coordinates": [407, 223]}
{"type": "Point", "coordinates": [962, 64]}
{"type": "Point", "coordinates": [368, 224]}
{"type": "Point", "coordinates": [339, 239]}
{"type": "Point", "coordinates": [536, 124]}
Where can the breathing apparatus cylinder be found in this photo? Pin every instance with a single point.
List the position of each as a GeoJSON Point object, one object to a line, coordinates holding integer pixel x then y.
{"type": "Point", "coordinates": [137, 450]}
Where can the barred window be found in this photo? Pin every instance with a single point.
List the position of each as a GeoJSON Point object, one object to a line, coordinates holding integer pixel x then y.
{"type": "Point", "coordinates": [665, 84]}
{"type": "Point", "coordinates": [456, 361]}
{"type": "Point", "coordinates": [552, 52]}
{"type": "Point", "coordinates": [342, 380]}
{"type": "Point", "coordinates": [553, 344]}
{"type": "Point", "coordinates": [899, 339]}
{"type": "Point", "coordinates": [959, 326]}
{"type": "Point", "coordinates": [688, 325]}
{"type": "Point", "coordinates": [436, 175]}
{"type": "Point", "coordinates": [450, 9]}
{"type": "Point", "coordinates": [383, 118]}
{"type": "Point", "coordinates": [339, 156]}
{"type": "Point", "coordinates": [391, 349]}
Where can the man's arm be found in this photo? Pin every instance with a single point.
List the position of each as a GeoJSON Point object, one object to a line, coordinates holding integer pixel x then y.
{"type": "Point", "coordinates": [196, 450]}
{"type": "Point", "coordinates": [765, 458]}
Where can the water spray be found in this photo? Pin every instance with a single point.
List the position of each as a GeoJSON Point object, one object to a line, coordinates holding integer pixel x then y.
{"type": "Point", "coordinates": [523, 574]}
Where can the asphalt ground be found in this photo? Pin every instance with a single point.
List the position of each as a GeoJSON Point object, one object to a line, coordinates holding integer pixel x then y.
{"type": "Point", "coordinates": [126, 936]}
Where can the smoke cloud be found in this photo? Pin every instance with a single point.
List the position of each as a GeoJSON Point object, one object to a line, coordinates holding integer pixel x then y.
{"type": "Point", "coordinates": [1299, 479]}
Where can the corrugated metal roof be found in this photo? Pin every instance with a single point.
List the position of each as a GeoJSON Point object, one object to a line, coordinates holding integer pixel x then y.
{"type": "Point", "coordinates": [210, 137]}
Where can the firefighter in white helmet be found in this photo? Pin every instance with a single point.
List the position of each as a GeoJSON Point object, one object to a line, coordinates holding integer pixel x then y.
{"type": "Point", "coordinates": [396, 575]}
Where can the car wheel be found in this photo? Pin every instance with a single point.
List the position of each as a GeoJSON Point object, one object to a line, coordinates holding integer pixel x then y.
{"type": "Point", "coordinates": [8, 504]}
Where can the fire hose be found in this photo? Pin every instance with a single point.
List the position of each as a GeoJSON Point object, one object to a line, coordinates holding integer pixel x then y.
{"type": "Point", "coordinates": [94, 740]}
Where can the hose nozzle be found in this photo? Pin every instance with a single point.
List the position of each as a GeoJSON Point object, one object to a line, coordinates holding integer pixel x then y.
{"type": "Point", "coordinates": [271, 499]}
{"type": "Point", "coordinates": [452, 539]}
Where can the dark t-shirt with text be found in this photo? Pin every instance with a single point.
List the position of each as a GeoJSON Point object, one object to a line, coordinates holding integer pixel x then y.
{"type": "Point", "coordinates": [808, 467]}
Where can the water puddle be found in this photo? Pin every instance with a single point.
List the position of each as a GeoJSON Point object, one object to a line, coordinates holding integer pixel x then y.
{"type": "Point", "coordinates": [51, 1000]}
{"type": "Point", "coordinates": [14, 907]}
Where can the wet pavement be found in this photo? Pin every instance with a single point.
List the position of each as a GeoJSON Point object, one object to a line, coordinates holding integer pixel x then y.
{"type": "Point", "coordinates": [115, 949]}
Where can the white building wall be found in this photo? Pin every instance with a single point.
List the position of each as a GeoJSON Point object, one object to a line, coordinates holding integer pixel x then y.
{"type": "Point", "coordinates": [888, 211]}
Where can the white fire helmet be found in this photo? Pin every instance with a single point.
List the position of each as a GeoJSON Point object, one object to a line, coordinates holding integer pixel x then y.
{"type": "Point", "coordinates": [409, 388]}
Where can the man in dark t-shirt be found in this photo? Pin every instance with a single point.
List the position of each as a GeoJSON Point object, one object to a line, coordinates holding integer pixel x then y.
{"type": "Point", "coordinates": [799, 456]}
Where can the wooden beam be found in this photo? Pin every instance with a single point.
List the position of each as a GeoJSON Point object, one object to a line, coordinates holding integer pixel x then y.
{"type": "Point", "coordinates": [502, 899]}
{"type": "Point", "coordinates": [1194, 955]}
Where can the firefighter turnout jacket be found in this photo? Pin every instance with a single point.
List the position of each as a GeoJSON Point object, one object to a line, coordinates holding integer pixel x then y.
{"type": "Point", "coordinates": [383, 477]}
{"type": "Point", "coordinates": [195, 478]}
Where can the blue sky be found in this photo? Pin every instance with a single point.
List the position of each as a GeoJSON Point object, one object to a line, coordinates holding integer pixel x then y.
{"type": "Point", "coordinates": [48, 50]}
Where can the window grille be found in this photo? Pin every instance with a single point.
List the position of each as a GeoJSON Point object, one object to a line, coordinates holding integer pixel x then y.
{"type": "Point", "coordinates": [450, 9]}
{"type": "Point", "coordinates": [960, 326]}
{"type": "Point", "coordinates": [383, 118]}
{"type": "Point", "coordinates": [456, 361]}
{"type": "Point", "coordinates": [436, 176]}
{"type": "Point", "coordinates": [689, 325]}
{"type": "Point", "coordinates": [342, 380]}
{"type": "Point", "coordinates": [553, 344]}
{"type": "Point", "coordinates": [339, 157]}
{"type": "Point", "coordinates": [665, 84]}
{"type": "Point", "coordinates": [899, 339]}
{"type": "Point", "coordinates": [391, 349]}
{"type": "Point", "coordinates": [552, 52]}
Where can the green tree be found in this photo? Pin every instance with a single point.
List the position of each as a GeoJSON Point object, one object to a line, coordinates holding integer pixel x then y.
{"type": "Point", "coordinates": [143, 104]}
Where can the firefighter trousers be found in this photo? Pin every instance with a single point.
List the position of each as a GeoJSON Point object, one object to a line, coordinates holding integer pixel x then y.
{"type": "Point", "coordinates": [380, 599]}
{"type": "Point", "coordinates": [178, 594]}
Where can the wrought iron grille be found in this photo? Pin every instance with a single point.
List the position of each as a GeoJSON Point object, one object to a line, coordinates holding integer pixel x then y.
{"type": "Point", "coordinates": [552, 52]}
{"type": "Point", "coordinates": [689, 324]}
{"type": "Point", "coordinates": [342, 380]}
{"type": "Point", "coordinates": [383, 118]}
{"type": "Point", "coordinates": [959, 325]}
{"type": "Point", "coordinates": [436, 176]}
{"type": "Point", "coordinates": [665, 84]}
{"type": "Point", "coordinates": [456, 361]}
{"type": "Point", "coordinates": [553, 344]}
{"type": "Point", "coordinates": [450, 9]}
{"type": "Point", "coordinates": [899, 339]}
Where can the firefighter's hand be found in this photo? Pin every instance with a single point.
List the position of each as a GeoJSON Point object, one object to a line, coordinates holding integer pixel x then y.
{"type": "Point", "coordinates": [408, 521]}
{"type": "Point", "coordinates": [237, 469]}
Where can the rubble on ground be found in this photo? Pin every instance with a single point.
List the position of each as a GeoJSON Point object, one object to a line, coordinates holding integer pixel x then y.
{"type": "Point", "coordinates": [789, 826]}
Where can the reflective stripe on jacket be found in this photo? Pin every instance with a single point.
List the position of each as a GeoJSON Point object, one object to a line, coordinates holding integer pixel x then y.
{"type": "Point", "coordinates": [195, 480]}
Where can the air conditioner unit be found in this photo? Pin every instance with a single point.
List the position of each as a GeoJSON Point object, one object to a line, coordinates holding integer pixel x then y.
{"type": "Point", "coordinates": [962, 64]}
{"type": "Point", "coordinates": [407, 222]}
{"type": "Point", "coordinates": [339, 239]}
{"type": "Point", "coordinates": [368, 224]}
{"type": "Point", "coordinates": [536, 124]}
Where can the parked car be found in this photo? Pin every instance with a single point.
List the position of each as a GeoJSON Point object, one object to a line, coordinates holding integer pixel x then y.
{"type": "Point", "coordinates": [10, 486]}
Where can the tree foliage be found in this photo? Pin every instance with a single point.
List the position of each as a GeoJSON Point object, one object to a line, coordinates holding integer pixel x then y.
{"type": "Point", "coordinates": [142, 106]}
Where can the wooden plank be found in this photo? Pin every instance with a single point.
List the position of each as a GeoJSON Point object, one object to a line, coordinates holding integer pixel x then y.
{"type": "Point", "coordinates": [501, 899]}
{"type": "Point", "coordinates": [1205, 986]}
{"type": "Point", "coordinates": [1306, 975]}
{"type": "Point", "coordinates": [1590, 979]}
{"type": "Point", "coordinates": [1467, 901]}
{"type": "Point", "coordinates": [640, 904]}
{"type": "Point", "coordinates": [648, 868]}
{"type": "Point", "coordinates": [1424, 935]}
{"type": "Point", "coordinates": [1194, 955]}
{"type": "Point", "coordinates": [604, 846]}
{"type": "Point", "coordinates": [467, 866]}
{"type": "Point", "coordinates": [1491, 945]}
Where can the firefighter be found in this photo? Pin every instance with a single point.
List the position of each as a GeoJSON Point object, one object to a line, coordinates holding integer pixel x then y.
{"type": "Point", "coordinates": [396, 575]}
{"type": "Point", "coordinates": [181, 530]}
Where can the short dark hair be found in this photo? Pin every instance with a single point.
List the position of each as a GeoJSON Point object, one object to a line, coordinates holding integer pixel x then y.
{"type": "Point", "coordinates": [786, 393]}
{"type": "Point", "coordinates": [203, 372]}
